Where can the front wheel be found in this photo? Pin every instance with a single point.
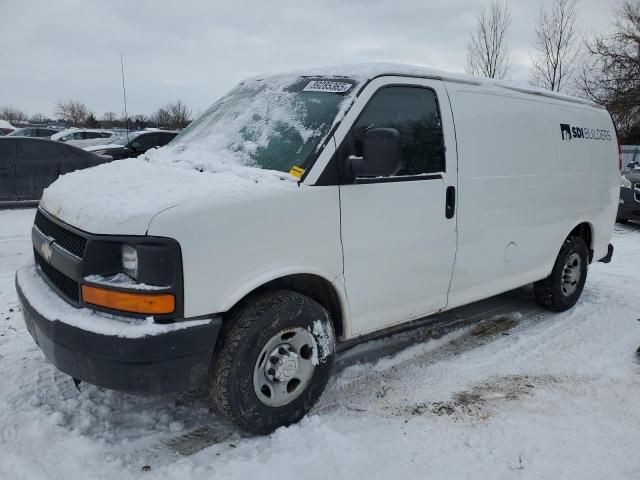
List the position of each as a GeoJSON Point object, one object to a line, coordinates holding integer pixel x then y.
{"type": "Point", "coordinates": [561, 290]}
{"type": "Point", "coordinates": [273, 361]}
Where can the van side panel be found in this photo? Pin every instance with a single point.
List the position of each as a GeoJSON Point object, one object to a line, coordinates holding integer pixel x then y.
{"type": "Point", "coordinates": [590, 163]}
{"type": "Point", "coordinates": [522, 189]}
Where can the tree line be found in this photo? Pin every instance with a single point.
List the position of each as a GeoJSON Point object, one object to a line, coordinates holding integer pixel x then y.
{"type": "Point", "coordinates": [602, 68]}
{"type": "Point", "coordinates": [73, 113]}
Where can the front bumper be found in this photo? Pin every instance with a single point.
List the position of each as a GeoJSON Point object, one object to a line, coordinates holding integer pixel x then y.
{"type": "Point", "coordinates": [148, 358]}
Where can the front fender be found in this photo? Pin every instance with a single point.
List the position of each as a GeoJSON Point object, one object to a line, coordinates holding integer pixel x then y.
{"type": "Point", "coordinates": [230, 248]}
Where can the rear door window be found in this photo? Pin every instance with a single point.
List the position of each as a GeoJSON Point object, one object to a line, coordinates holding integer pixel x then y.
{"type": "Point", "coordinates": [147, 141]}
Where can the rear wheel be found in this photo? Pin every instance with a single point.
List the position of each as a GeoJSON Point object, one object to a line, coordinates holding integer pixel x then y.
{"type": "Point", "coordinates": [273, 361]}
{"type": "Point", "coordinates": [562, 289]}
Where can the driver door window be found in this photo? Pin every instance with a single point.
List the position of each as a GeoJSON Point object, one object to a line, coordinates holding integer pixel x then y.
{"type": "Point", "coordinates": [414, 112]}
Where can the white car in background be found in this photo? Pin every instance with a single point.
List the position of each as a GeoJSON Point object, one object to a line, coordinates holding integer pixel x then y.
{"type": "Point", "coordinates": [84, 137]}
{"type": "Point", "coordinates": [6, 127]}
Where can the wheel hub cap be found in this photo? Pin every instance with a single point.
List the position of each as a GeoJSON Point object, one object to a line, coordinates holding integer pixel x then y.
{"type": "Point", "coordinates": [282, 364]}
{"type": "Point", "coordinates": [284, 367]}
{"type": "Point", "coordinates": [571, 273]}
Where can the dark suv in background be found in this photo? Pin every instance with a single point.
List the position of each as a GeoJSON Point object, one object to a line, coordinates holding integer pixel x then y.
{"type": "Point", "coordinates": [133, 143]}
{"type": "Point", "coordinates": [29, 165]}
{"type": "Point", "coordinates": [629, 204]}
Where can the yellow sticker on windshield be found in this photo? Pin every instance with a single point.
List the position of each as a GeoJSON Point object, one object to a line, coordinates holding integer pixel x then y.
{"type": "Point", "coordinates": [296, 171]}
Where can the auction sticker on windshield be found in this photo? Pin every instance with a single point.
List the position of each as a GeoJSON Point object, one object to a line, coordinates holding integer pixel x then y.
{"type": "Point", "coordinates": [327, 86]}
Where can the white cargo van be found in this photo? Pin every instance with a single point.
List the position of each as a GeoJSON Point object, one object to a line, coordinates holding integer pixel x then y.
{"type": "Point", "coordinates": [308, 209]}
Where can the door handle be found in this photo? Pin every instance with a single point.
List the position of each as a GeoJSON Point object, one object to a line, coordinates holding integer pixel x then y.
{"type": "Point", "coordinates": [450, 207]}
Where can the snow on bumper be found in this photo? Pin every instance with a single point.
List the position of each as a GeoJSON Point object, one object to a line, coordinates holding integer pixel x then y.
{"type": "Point", "coordinates": [115, 352]}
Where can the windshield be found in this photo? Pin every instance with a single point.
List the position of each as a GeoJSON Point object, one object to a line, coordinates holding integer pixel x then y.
{"type": "Point", "coordinates": [272, 124]}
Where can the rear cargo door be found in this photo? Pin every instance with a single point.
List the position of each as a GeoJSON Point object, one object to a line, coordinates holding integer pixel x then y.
{"type": "Point", "coordinates": [399, 231]}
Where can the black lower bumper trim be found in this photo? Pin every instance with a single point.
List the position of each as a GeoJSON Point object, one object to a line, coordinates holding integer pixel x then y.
{"type": "Point", "coordinates": [162, 363]}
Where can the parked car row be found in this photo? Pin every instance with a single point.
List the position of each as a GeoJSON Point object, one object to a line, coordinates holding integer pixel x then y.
{"type": "Point", "coordinates": [38, 132]}
{"type": "Point", "coordinates": [29, 162]}
{"type": "Point", "coordinates": [134, 143]}
{"type": "Point", "coordinates": [84, 137]}
{"type": "Point", "coordinates": [29, 165]}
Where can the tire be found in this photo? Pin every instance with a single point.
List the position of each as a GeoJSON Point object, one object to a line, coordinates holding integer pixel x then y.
{"type": "Point", "coordinates": [284, 326]}
{"type": "Point", "coordinates": [561, 290]}
{"type": "Point", "coordinates": [623, 221]}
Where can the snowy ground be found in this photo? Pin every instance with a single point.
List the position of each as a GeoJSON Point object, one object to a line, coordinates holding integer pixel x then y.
{"type": "Point", "coordinates": [519, 393]}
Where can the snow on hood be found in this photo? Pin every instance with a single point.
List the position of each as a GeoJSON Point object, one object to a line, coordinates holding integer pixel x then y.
{"type": "Point", "coordinates": [122, 197]}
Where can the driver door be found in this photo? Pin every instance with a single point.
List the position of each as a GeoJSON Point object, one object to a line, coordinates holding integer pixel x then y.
{"type": "Point", "coordinates": [399, 231]}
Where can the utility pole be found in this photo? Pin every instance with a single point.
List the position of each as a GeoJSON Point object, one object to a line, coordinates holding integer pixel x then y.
{"type": "Point", "coordinates": [124, 95]}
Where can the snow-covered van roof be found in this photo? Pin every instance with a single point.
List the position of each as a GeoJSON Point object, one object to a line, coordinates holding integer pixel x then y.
{"type": "Point", "coordinates": [367, 71]}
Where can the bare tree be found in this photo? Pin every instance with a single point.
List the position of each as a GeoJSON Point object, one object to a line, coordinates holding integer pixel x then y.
{"type": "Point", "coordinates": [173, 115]}
{"type": "Point", "coordinates": [180, 114]}
{"type": "Point", "coordinates": [488, 50]}
{"type": "Point", "coordinates": [39, 118]}
{"type": "Point", "coordinates": [109, 117]}
{"type": "Point", "coordinates": [12, 114]}
{"type": "Point", "coordinates": [612, 76]}
{"type": "Point", "coordinates": [556, 45]}
{"type": "Point", "coordinates": [72, 111]}
{"type": "Point", "coordinates": [140, 118]}
{"type": "Point", "coordinates": [162, 118]}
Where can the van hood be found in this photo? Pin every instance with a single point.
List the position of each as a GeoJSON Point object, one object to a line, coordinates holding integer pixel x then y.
{"type": "Point", "coordinates": [122, 197]}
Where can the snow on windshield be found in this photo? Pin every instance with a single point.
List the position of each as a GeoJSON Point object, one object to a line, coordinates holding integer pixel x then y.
{"type": "Point", "coordinates": [272, 124]}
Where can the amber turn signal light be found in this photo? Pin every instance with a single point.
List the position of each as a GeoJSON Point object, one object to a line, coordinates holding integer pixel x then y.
{"type": "Point", "coordinates": [154, 304]}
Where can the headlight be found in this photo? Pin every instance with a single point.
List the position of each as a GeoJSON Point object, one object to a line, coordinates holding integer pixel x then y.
{"type": "Point", "coordinates": [99, 152]}
{"type": "Point", "coordinates": [130, 261]}
{"type": "Point", "coordinates": [625, 182]}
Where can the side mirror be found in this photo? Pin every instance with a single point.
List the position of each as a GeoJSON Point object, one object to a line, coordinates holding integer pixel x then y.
{"type": "Point", "coordinates": [632, 164]}
{"type": "Point", "coordinates": [136, 147]}
{"type": "Point", "coordinates": [381, 154]}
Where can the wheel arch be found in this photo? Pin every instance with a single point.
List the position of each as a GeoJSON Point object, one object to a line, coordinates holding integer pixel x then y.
{"type": "Point", "coordinates": [584, 230]}
{"type": "Point", "coordinates": [313, 285]}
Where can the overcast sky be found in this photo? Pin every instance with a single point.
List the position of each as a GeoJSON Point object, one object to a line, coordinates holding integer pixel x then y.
{"type": "Point", "coordinates": [197, 50]}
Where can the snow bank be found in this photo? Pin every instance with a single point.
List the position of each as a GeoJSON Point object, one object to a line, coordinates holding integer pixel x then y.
{"type": "Point", "coordinates": [44, 300]}
{"type": "Point", "coordinates": [556, 398]}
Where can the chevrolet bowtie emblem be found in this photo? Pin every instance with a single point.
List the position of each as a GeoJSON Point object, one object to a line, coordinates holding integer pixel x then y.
{"type": "Point", "coordinates": [46, 251]}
